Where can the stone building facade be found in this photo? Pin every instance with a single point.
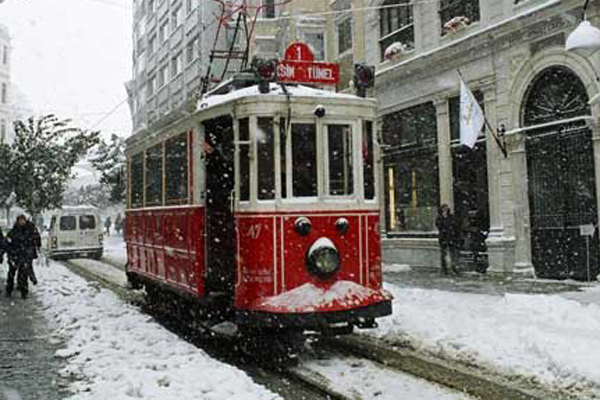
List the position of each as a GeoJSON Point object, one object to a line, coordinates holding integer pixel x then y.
{"type": "Point", "coordinates": [528, 211]}
{"type": "Point", "coordinates": [5, 98]}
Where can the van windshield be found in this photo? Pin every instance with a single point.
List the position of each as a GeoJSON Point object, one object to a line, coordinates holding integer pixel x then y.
{"type": "Point", "coordinates": [87, 222]}
{"type": "Point", "coordinates": [68, 223]}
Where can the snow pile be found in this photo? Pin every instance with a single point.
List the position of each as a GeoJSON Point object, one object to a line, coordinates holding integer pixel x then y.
{"type": "Point", "coordinates": [309, 297]}
{"type": "Point", "coordinates": [116, 352]}
{"type": "Point", "coordinates": [213, 100]}
{"type": "Point", "coordinates": [546, 337]}
{"type": "Point", "coordinates": [396, 268]}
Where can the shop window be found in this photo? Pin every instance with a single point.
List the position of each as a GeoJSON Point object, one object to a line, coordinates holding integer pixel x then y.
{"type": "Point", "coordinates": [304, 160]}
{"type": "Point", "coordinates": [176, 170]}
{"type": "Point", "coordinates": [137, 181]}
{"type": "Point", "coordinates": [411, 170]}
{"type": "Point", "coordinates": [368, 160]}
{"type": "Point", "coordinates": [339, 141]}
{"type": "Point", "coordinates": [396, 25]}
{"type": "Point", "coordinates": [244, 135]}
{"type": "Point", "coordinates": [265, 143]}
{"type": "Point", "coordinates": [154, 176]}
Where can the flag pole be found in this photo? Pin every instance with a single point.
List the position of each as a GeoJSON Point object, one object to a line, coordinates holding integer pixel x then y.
{"type": "Point", "coordinates": [500, 144]}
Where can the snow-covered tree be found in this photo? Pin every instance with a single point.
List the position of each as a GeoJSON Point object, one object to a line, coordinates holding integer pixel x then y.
{"type": "Point", "coordinates": [44, 152]}
{"type": "Point", "coordinates": [109, 160]}
{"type": "Point", "coordinates": [6, 188]}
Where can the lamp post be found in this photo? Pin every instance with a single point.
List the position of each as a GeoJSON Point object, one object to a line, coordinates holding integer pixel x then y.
{"type": "Point", "coordinates": [585, 38]}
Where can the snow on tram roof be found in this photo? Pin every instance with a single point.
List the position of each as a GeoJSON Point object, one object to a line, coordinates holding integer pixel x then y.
{"type": "Point", "coordinates": [212, 100]}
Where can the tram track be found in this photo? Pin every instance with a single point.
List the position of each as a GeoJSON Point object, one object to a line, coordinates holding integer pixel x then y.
{"type": "Point", "coordinates": [290, 383]}
{"type": "Point", "coordinates": [299, 382]}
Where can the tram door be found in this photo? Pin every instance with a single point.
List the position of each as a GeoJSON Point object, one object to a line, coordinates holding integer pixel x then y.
{"type": "Point", "coordinates": [562, 200]}
{"type": "Point", "coordinates": [220, 226]}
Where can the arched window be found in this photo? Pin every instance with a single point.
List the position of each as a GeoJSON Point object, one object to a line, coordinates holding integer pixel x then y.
{"type": "Point", "coordinates": [396, 25]}
{"type": "Point", "coordinates": [555, 94]}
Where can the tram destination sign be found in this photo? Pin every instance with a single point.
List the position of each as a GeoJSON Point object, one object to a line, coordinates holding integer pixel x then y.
{"type": "Point", "coordinates": [298, 66]}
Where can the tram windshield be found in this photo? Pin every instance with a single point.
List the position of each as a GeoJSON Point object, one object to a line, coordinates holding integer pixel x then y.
{"type": "Point", "coordinates": [304, 160]}
{"type": "Point", "coordinates": [313, 160]}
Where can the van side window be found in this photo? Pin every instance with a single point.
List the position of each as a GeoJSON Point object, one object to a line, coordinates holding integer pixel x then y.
{"type": "Point", "coordinates": [87, 222]}
{"type": "Point", "coordinates": [68, 223]}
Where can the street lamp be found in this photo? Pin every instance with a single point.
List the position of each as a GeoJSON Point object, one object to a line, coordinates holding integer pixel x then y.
{"type": "Point", "coordinates": [585, 38]}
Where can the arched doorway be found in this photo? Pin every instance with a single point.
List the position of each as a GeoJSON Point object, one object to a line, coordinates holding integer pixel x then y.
{"type": "Point", "coordinates": [561, 176]}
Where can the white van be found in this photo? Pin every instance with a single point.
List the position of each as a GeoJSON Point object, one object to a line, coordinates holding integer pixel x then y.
{"type": "Point", "coordinates": [75, 232]}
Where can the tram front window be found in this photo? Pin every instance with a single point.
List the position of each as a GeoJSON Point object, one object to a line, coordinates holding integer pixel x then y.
{"type": "Point", "coordinates": [304, 160]}
{"type": "Point", "coordinates": [266, 159]}
{"type": "Point", "coordinates": [341, 182]}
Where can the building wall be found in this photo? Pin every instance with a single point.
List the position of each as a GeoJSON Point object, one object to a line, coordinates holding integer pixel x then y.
{"type": "Point", "coordinates": [499, 55]}
{"type": "Point", "coordinates": [6, 130]}
{"type": "Point", "coordinates": [158, 40]}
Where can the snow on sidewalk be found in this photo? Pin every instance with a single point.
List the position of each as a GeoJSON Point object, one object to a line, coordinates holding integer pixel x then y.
{"type": "Point", "coordinates": [115, 352]}
{"type": "Point", "coordinates": [546, 337]}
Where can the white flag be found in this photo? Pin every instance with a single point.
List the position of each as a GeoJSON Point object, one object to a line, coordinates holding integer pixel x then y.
{"type": "Point", "coordinates": [471, 116]}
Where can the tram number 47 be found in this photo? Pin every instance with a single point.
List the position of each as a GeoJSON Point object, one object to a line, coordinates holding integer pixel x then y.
{"type": "Point", "coordinates": [254, 231]}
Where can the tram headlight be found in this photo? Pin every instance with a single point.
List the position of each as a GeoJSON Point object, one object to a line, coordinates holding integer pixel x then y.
{"type": "Point", "coordinates": [323, 258]}
{"type": "Point", "coordinates": [342, 225]}
{"type": "Point", "coordinates": [302, 226]}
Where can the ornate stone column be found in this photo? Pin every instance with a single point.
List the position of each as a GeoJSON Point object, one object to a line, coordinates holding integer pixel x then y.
{"type": "Point", "coordinates": [444, 151]}
{"type": "Point", "coordinates": [518, 163]}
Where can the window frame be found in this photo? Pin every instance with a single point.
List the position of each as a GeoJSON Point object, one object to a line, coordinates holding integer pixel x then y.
{"type": "Point", "coordinates": [326, 170]}
{"type": "Point", "coordinates": [400, 29]}
{"type": "Point", "coordinates": [338, 25]}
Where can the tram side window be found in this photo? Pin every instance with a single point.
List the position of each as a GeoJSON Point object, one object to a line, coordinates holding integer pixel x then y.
{"type": "Point", "coordinates": [244, 136]}
{"type": "Point", "coordinates": [282, 155]}
{"type": "Point", "coordinates": [176, 170]}
{"type": "Point", "coordinates": [368, 163]}
{"type": "Point", "coordinates": [304, 160]}
{"type": "Point", "coordinates": [137, 180]}
{"type": "Point", "coordinates": [339, 141]}
{"type": "Point", "coordinates": [266, 159]}
{"type": "Point", "coordinates": [154, 176]}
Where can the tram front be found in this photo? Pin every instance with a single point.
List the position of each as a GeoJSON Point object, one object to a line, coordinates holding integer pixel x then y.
{"type": "Point", "coordinates": [306, 210]}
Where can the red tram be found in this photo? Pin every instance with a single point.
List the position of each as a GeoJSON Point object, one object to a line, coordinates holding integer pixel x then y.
{"type": "Point", "coordinates": [261, 209]}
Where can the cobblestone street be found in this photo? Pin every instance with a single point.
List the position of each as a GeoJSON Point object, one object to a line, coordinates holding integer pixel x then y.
{"type": "Point", "coordinates": [28, 368]}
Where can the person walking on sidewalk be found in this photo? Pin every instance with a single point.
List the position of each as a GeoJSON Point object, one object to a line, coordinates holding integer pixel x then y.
{"type": "Point", "coordinates": [107, 224]}
{"type": "Point", "coordinates": [449, 238]}
{"type": "Point", "coordinates": [23, 244]}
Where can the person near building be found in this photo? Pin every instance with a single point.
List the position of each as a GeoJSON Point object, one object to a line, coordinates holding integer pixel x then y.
{"type": "Point", "coordinates": [107, 224]}
{"type": "Point", "coordinates": [23, 242]}
{"type": "Point", "coordinates": [449, 238]}
{"type": "Point", "coordinates": [119, 223]}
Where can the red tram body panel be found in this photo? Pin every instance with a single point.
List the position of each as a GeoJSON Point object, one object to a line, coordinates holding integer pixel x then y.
{"type": "Point", "coordinates": [261, 202]}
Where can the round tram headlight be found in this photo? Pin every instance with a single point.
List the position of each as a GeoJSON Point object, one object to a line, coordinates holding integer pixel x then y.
{"type": "Point", "coordinates": [302, 226]}
{"type": "Point", "coordinates": [323, 258]}
{"type": "Point", "coordinates": [342, 225]}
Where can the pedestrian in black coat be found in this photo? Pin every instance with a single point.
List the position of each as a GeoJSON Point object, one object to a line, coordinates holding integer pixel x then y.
{"type": "Point", "coordinates": [449, 238]}
{"type": "Point", "coordinates": [23, 244]}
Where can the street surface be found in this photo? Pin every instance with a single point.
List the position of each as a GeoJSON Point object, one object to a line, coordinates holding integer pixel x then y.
{"type": "Point", "coordinates": [29, 369]}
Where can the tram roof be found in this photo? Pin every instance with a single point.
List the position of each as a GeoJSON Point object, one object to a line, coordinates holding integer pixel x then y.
{"type": "Point", "coordinates": [213, 100]}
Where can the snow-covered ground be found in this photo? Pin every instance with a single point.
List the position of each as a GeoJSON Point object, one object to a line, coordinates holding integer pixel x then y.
{"type": "Point", "coordinates": [362, 379]}
{"type": "Point", "coordinates": [115, 251]}
{"type": "Point", "coordinates": [115, 352]}
{"type": "Point", "coordinates": [548, 338]}
{"type": "Point", "coordinates": [553, 339]}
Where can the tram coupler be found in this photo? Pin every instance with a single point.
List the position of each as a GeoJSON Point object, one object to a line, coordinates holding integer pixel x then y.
{"type": "Point", "coordinates": [366, 323]}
